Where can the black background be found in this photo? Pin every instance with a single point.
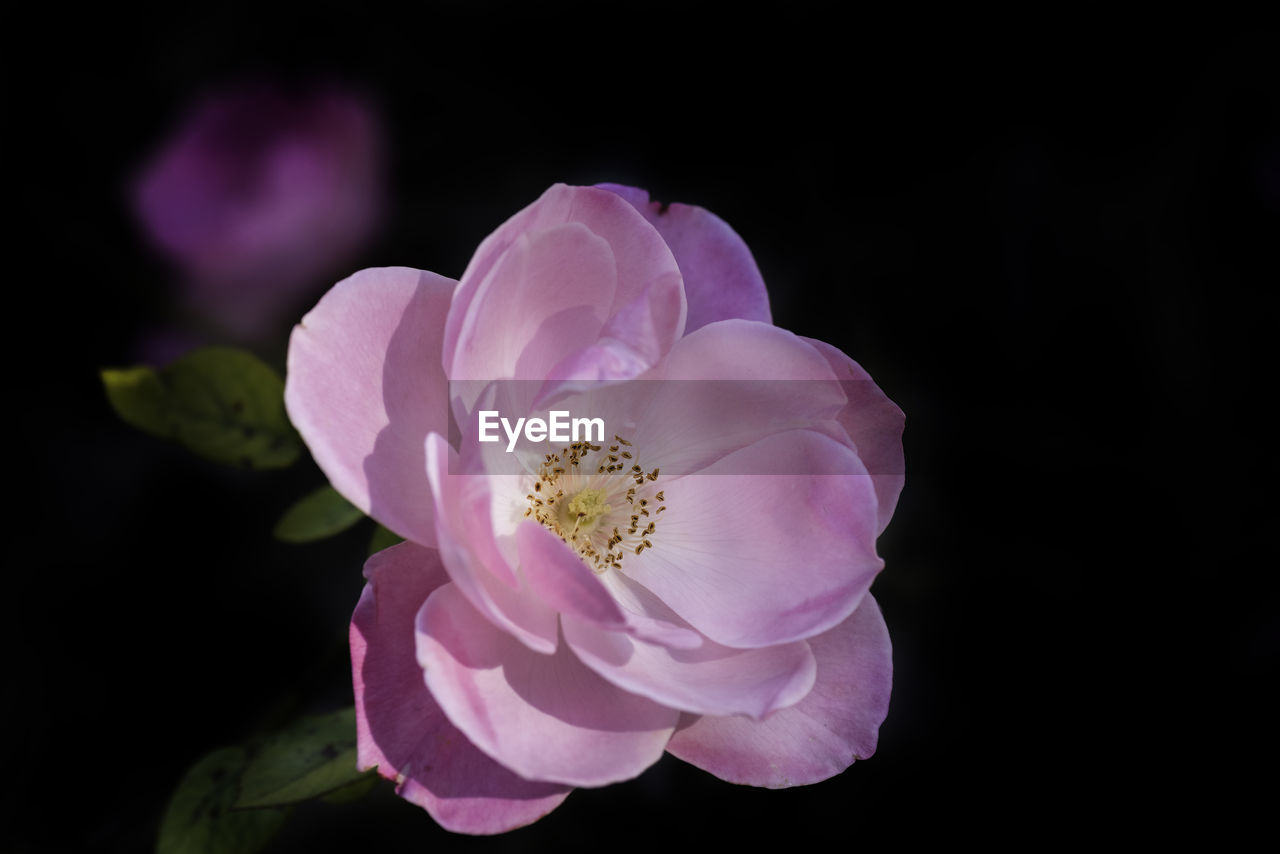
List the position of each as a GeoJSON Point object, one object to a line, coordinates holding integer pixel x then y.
{"type": "Point", "coordinates": [1050, 242]}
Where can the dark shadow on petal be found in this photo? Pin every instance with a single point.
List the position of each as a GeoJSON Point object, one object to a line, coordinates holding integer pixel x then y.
{"type": "Point", "coordinates": [436, 760]}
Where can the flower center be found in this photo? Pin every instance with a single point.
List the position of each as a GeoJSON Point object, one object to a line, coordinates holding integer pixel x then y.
{"type": "Point", "coordinates": [603, 506]}
{"type": "Point", "coordinates": [585, 510]}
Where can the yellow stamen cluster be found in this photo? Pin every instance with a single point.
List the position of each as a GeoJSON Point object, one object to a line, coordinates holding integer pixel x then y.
{"type": "Point", "coordinates": [581, 506]}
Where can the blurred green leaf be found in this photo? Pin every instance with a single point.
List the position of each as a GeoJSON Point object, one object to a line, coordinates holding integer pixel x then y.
{"type": "Point", "coordinates": [200, 818]}
{"type": "Point", "coordinates": [383, 538]}
{"type": "Point", "coordinates": [321, 514]}
{"type": "Point", "coordinates": [224, 404]}
{"type": "Point", "coordinates": [312, 757]}
{"type": "Point", "coordinates": [353, 791]}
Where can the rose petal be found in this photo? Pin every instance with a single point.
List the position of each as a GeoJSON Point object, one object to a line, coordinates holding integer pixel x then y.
{"type": "Point", "coordinates": [710, 680]}
{"type": "Point", "coordinates": [400, 727]}
{"type": "Point", "coordinates": [770, 544]}
{"type": "Point", "coordinates": [836, 724]}
{"type": "Point", "coordinates": [721, 388]}
{"type": "Point", "coordinates": [633, 340]}
{"type": "Point", "coordinates": [549, 294]}
{"type": "Point", "coordinates": [546, 717]}
{"type": "Point", "coordinates": [874, 424]}
{"type": "Point", "coordinates": [365, 387]}
{"type": "Point", "coordinates": [471, 554]}
{"type": "Point", "coordinates": [544, 266]}
{"type": "Point", "coordinates": [564, 582]}
{"type": "Point", "coordinates": [721, 279]}
{"type": "Point", "coordinates": [648, 617]}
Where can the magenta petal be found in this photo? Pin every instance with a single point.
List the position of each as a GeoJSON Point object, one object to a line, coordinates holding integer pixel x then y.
{"type": "Point", "coordinates": [772, 543]}
{"type": "Point", "coordinates": [546, 717]}
{"type": "Point", "coordinates": [365, 387]}
{"type": "Point", "coordinates": [710, 680]}
{"type": "Point", "coordinates": [837, 723]}
{"type": "Point", "coordinates": [721, 279]}
{"type": "Point", "coordinates": [875, 424]}
{"type": "Point", "coordinates": [400, 727]}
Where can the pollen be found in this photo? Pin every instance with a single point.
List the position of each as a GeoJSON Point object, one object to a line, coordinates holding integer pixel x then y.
{"type": "Point", "coordinates": [593, 502]}
{"type": "Point", "coordinates": [587, 507]}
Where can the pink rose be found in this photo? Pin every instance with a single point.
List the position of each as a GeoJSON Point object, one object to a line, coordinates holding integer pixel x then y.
{"type": "Point", "coordinates": [697, 582]}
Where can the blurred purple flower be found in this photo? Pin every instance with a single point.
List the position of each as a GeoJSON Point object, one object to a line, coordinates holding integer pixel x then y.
{"type": "Point", "coordinates": [260, 196]}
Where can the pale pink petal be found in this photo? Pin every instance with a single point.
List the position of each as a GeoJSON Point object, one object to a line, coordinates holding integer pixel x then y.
{"type": "Point", "coordinates": [566, 584]}
{"type": "Point", "coordinates": [546, 717]}
{"type": "Point", "coordinates": [721, 279]}
{"type": "Point", "coordinates": [365, 387]}
{"type": "Point", "coordinates": [837, 723]}
{"type": "Point", "coordinates": [472, 557]}
{"type": "Point", "coordinates": [562, 580]}
{"type": "Point", "coordinates": [711, 680]}
{"type": "Point", "coordinates": [874, 424]}
{"type": "Point", "coordinates": [631, 342]}
{"type": "Point", "coordinates": [648, 617]}
{"type": "Point", "coordinates": [400, 727]}
{"type": "Point", "coordinates": [772, 543]}
{"type": "Point", "coordinates": [549, 295]}
{"type": "Point", "coordinates": [545, 268]}
{"type": "Point", "coordinates": [721, 388]}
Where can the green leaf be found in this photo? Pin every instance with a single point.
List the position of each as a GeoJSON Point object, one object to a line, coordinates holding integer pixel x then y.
{"type": "Point", "coordinates": [383, 538]}
{"type": "Point", "coordinates": [200, 818]}
{"type": "Point", "coordinates": [312, 757]}
{"type": "Point", "coordinates": [353, 791]}
{"type": "Point", "coordinates": [321, 514]}
{"type": "Point", "coordinates": [224, 404]}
